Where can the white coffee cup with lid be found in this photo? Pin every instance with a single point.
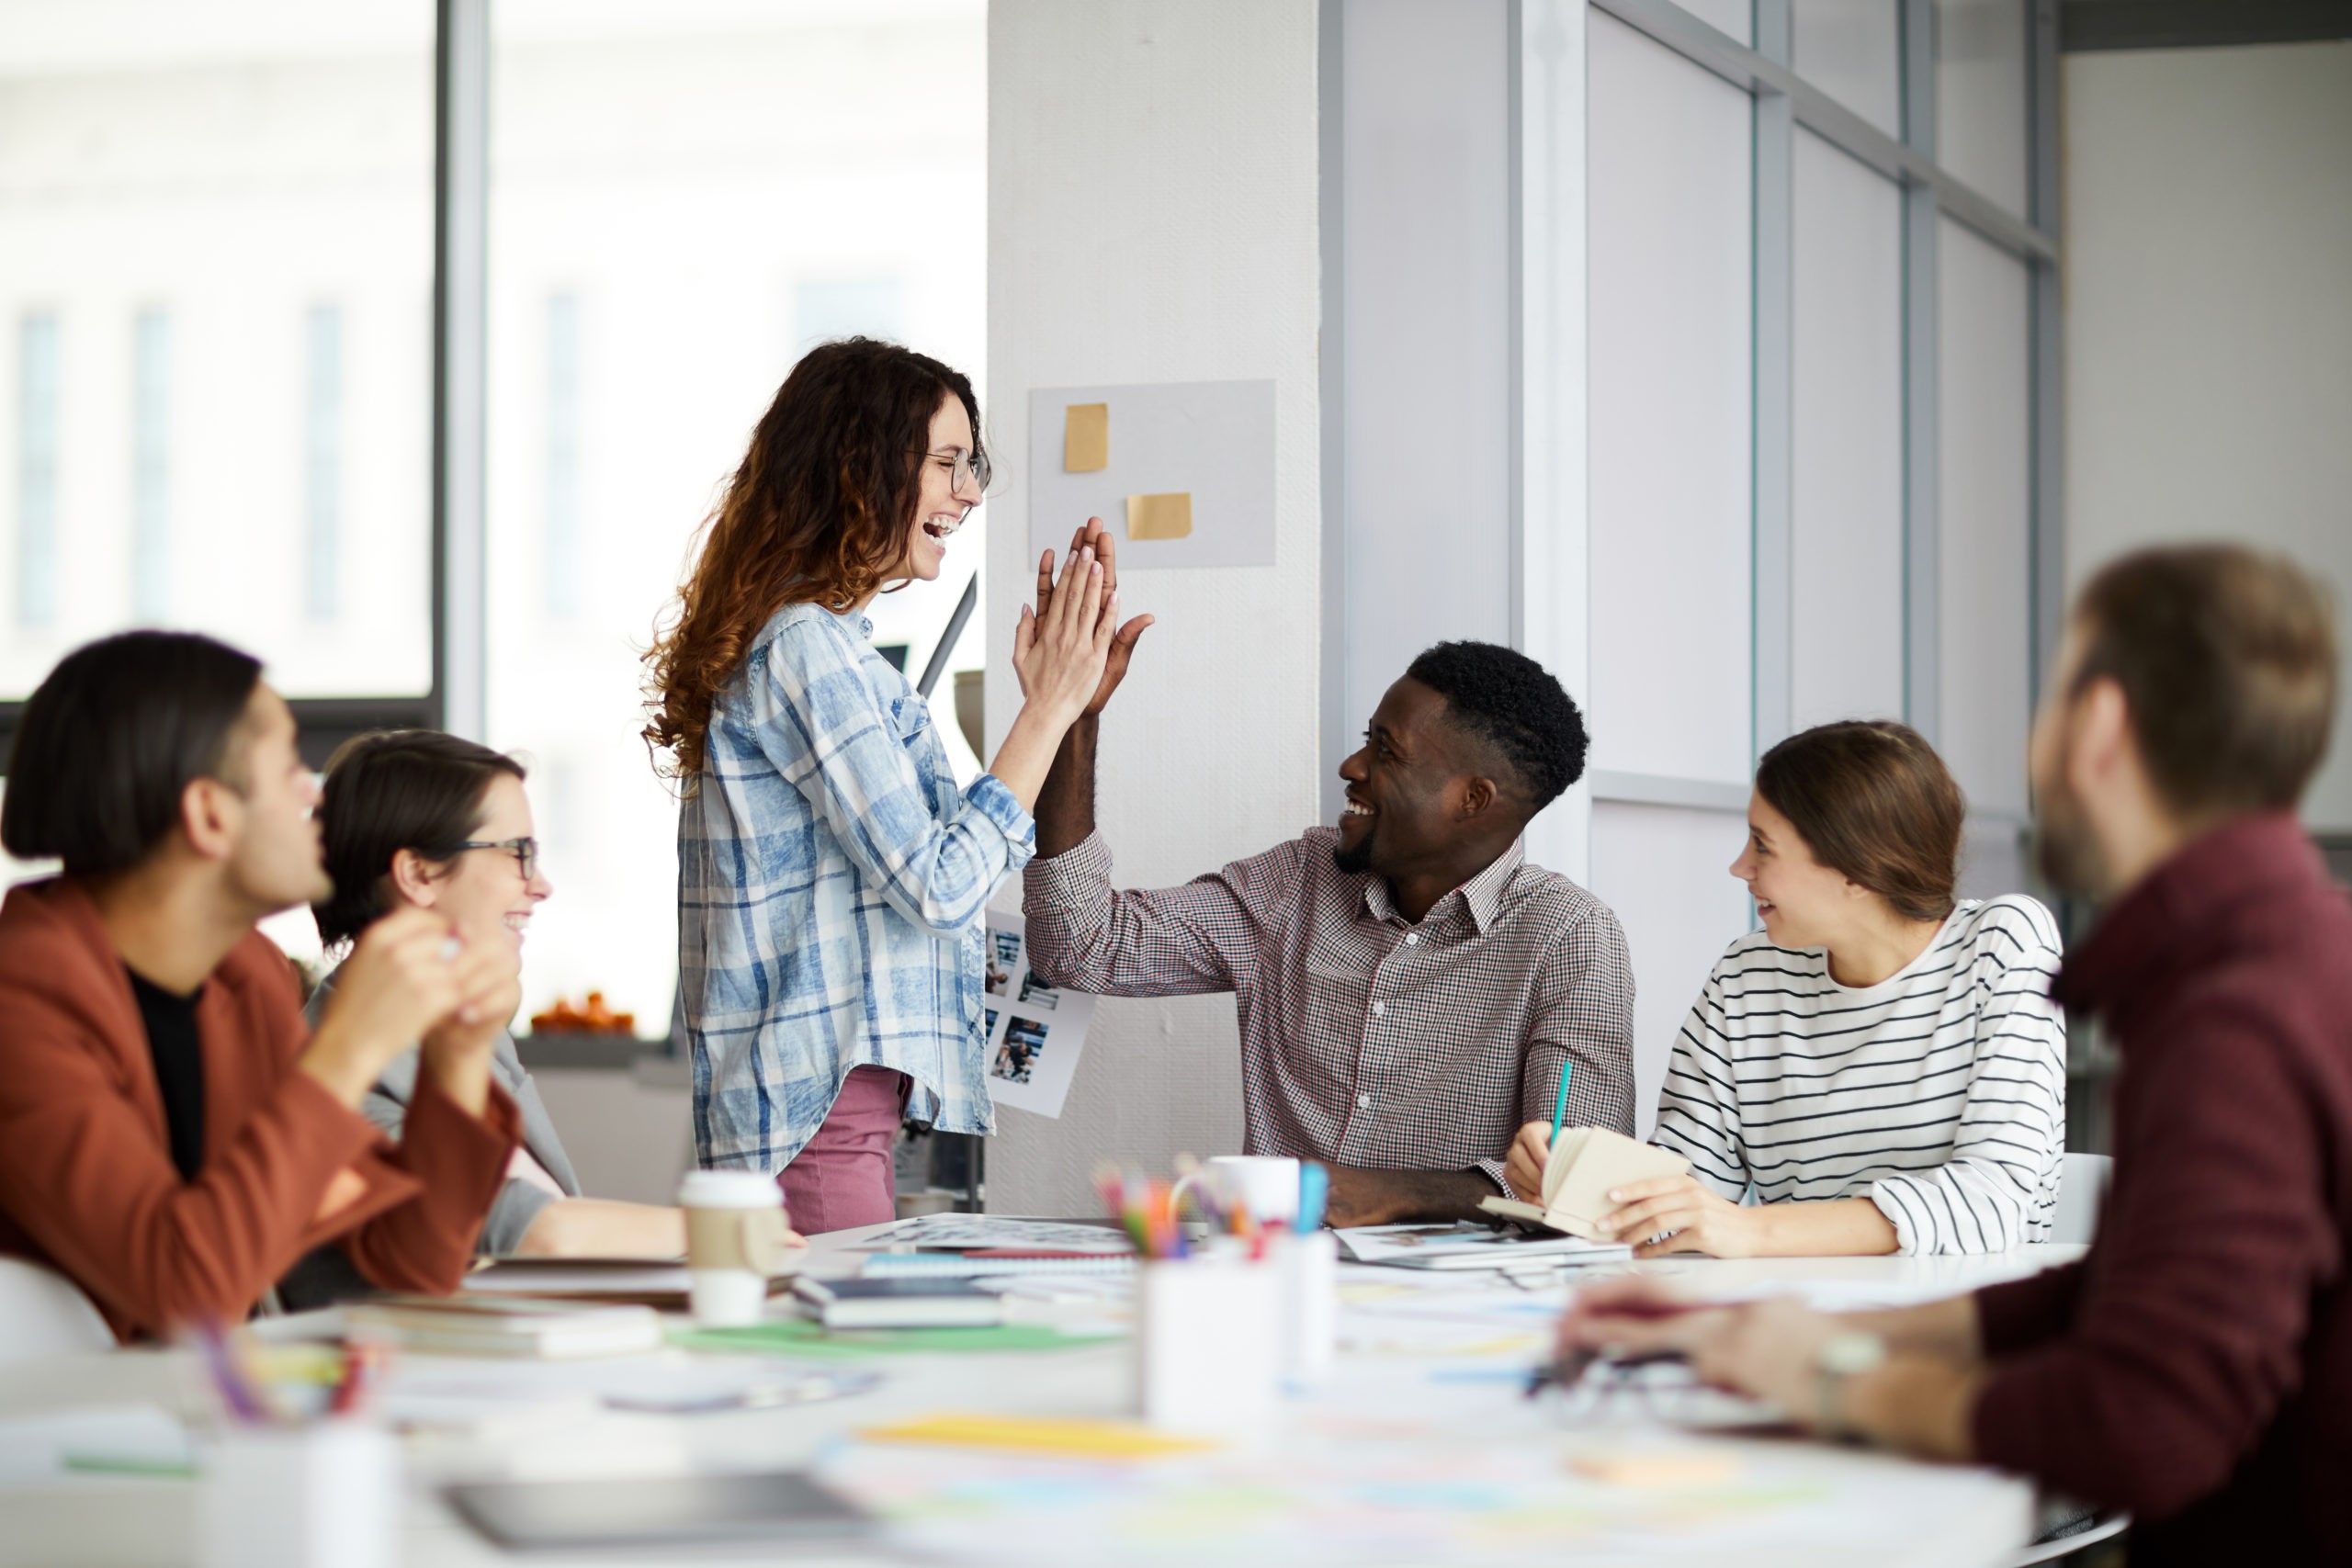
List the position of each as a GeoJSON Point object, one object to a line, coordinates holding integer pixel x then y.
{"type": "Point", "coordinates": [736, 1228]}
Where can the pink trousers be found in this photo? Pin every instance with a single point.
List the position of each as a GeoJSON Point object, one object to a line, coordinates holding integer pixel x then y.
{"type": "Point", "coordinates": [843, 1177]}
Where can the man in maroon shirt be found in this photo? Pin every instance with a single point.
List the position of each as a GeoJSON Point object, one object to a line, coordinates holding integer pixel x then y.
{"type": "Point", "coordinates": [2196, 1367]}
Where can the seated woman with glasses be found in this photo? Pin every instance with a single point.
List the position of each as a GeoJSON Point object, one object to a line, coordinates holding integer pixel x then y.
{"type": "Point", "coordinates": [1881, 1066]}
{"type": "Point", "coordinates": [415, 818]}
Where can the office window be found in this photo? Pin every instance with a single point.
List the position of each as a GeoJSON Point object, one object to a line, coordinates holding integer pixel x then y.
{"type": "Point", "coordinates": [1666, 872]}
{"type": "Point", "coordinates": [824, 308]}
{"type": "Point", "coordinates": [1983, 510]}
{"type": "Point", "coordinates": [1704, 338]}
{"type": "Point", "coordinates": [1981, 119]}
{"type": "Point", "coordinates": [563, 456]}
{"type": "Point", "coordinates": [683, 196]}
{"type": "Point", "coordinates": [322, 461]}
{"type": "Point", "coordinates": [1852, 51]}
{"type": "Point", "coordinates": [1847, 564]}
{"type": "Point", "coordinates": [37, 434]}
{"type": "Point", "coordinates": [184, 190]}
{"type": "Point", "coordinates": [1671, 314]}
{"type": "Point", "coordinates": [151, 466]}
{"type": "Point", "coordinates": [1733, 16]}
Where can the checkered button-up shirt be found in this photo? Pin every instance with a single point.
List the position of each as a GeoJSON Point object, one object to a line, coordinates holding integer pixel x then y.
{"type": "Point", "coordinates": [830, 885]}
{"type": "Point", "coordinates": [1368, 1040]}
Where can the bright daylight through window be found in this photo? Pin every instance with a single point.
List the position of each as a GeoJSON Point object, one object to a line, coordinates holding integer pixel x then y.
{"type": "Point", "coordinates": [217, 292]}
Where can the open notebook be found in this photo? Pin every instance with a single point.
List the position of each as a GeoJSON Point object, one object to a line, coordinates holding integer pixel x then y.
{"type": "Point", "coordinates": [1585, 1163]}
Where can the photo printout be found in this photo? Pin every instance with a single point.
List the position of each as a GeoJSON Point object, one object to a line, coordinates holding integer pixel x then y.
{"type": "Point", "coordinates": [1035, 1032]}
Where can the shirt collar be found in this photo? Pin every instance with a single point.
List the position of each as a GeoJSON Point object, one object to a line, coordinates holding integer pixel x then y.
{"type": "Point", "coordinates": [857, 621]}
{"type": "Point", "coordinates": [2176, 908]}
{"type": "Point", "coordinates": [1481, 898]}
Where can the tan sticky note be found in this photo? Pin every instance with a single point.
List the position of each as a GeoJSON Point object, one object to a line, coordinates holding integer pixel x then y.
{"type": "Point", "coordinates": [1161, 517]}
{"type": "Point", "coordinates": [1086, 438]}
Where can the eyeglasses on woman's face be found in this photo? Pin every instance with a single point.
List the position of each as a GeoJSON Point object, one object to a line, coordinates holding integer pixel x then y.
{"type": "Point", "coordinates": [524, 850]}
{"type": "Point", "coordinates": [964, 469]}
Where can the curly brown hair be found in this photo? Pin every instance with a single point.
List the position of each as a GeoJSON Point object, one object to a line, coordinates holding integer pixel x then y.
{"type": "Point", "coordinates": [817, 513]}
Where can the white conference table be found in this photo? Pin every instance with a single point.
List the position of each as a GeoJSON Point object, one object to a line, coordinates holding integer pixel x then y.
{"type": "Point", "coordinates": [1384, 1410]}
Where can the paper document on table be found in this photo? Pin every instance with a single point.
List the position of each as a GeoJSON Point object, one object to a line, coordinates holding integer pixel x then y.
{"type": "Point", "coordinates": [585, 1277]}
{"type": "Point", "coordinates": [104, 1439]}
{"type": "Point", "coordinates": [1035, 1032]}
{"type": "Point", "coordinates": [1472, 1246]}
{"type": "Point", "coordinates": [1345, 1487]}
{"type": "Point", "coordinates": [466, 1392]}
{"type": "Point", "coordinates": [968, 1232]}
{"type": "Point", "coordinates": [1850, 1294]}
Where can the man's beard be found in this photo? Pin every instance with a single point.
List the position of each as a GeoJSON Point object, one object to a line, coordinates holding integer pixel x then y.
{"type": "Point", "coordinates": [2065, 849]}
{"type": "Point", "coordinates": [1357, 861]}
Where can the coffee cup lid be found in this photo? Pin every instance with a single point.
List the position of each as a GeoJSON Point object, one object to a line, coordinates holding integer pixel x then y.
{"type": "Point", "coordinates": [729, 1190]}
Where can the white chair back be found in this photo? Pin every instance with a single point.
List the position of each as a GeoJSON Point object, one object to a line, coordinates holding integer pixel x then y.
{"type": "Point", "coordinates": [2081, 1188]}
{"type": "Point", "coordinates": [44, 1314]}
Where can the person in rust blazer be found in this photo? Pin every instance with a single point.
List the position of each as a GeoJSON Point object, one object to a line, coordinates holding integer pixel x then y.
{"type": "Point", "coordinates": [172, 1137]}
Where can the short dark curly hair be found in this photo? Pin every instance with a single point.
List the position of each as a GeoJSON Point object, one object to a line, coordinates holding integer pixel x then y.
{"type": "Point", "coordinates": [1512, 704]}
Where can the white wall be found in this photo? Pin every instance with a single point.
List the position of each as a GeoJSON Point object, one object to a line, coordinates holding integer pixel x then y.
{"type": "Point", "coordinates": [1426, 321]}
{"type": "Point", "coordinates": [1153, 216]}
{"type": "Point", "coordinates": [2209, 313]}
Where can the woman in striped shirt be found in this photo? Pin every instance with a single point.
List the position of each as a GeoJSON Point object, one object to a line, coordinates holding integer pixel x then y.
{"type": "Point", "coordinates": [1880, 1065]}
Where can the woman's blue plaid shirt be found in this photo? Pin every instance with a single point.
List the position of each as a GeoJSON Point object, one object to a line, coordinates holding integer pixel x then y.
{"type": "Point", "coordinates": [832, 880]}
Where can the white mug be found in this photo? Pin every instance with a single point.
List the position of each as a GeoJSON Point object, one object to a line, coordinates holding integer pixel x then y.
{"type": "Point", "coordinates": [1267, 1184]}
{"type": "Point", "coordinates": [735, 1230]}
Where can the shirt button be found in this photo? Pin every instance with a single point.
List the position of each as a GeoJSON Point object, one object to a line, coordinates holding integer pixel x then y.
{"type": "Point", "coordinates": [1362, 1100]}
{"type": "Point", "coordinates": [1378, 1009]}
{"type": "Point", "coordinates": [1412, 939]}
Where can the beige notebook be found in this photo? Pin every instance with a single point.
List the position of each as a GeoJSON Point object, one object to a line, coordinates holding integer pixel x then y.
{"type": "Point", "coordinates": [1585, 1163]}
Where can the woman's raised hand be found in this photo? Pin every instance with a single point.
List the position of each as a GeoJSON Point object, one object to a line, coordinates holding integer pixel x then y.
{"type": "Point", "coordinates": [1092, 535]}
{"type": "Point", "coordinates": [1060, 648]}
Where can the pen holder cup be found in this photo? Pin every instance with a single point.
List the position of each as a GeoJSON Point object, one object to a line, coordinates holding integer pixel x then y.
{"type": "Point", "coordinates": [322, 1496]}
{"type": "Point", "coordinates": [1308, 1269]}
{"type": "Point", "coordinates": [1208, 1343]}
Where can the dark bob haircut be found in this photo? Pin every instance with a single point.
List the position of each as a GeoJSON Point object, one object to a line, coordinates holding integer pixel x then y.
{"type": "Point", "coordinates": [1512, 704]}
{"type": "Point", "coordinates": [393, 790]}
{"type": "Point", "coordinates": [1876, 805]}
{"type": "Point", "coordinates": [110, 741]}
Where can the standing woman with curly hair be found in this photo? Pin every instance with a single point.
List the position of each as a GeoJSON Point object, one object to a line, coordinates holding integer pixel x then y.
{"type": "Point", "coordinates": [832, 878]}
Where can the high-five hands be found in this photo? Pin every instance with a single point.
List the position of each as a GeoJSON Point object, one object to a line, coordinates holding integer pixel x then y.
{"type": "Point", "coordinates": [1093, 536]}
{"type": "Point", "coordinates": [1070, 653]}
{"type": "Point", "coordinates": [1059, 647]}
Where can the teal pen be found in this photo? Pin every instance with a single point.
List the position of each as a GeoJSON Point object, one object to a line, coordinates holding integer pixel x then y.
{"type": "Point", "coordinates": [1560, 1106]}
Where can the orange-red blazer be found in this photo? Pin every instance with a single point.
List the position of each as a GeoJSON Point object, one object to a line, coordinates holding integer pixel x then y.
{"type": "Point", "coordinates": [87, 1181]}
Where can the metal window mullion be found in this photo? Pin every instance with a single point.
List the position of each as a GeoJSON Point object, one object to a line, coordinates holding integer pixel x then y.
{"type": "Point", "coordinates": [2048, 522]}
{"type": "Point", "coordinates": [1911, 162]}
{"type": "Point", "coordinates": [1773, 456]}
{"type": "Point", "coordinates": [1922, 647]}
{"type": "Point", "coordinates": [1551, 516]}
{"type": "Point", "coordinates": [460, 300]}
{"type": "Point", "coordinates": [1331, 99]}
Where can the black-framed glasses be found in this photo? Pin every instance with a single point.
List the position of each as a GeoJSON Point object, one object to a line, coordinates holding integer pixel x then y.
{"type": "Point", "coordinates": [524, 850]}
{"type": "Point", "coordinates": [970, 467]}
